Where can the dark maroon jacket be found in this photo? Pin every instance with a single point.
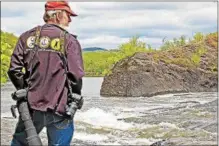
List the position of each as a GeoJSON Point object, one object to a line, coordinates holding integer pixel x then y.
{"type": "Point", "coordinates": [47, 88]}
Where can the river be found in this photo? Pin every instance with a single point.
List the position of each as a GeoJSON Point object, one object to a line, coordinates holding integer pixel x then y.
{"type": "Point", "coordinates": [185, 118]}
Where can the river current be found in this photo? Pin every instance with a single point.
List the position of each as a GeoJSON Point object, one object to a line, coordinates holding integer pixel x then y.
{"type": "Point", "coordinates": [186, 117]}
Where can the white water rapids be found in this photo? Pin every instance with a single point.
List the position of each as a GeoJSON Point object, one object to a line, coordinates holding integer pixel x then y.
{"type": "Point", "coordinates": [135, 121]}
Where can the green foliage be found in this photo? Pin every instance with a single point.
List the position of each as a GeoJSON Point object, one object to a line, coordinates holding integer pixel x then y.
{"type": "Point", "coordinates": [175, 43]}
{"type": "Point", "coordinates": [134, 45]}
{"type": "Point", "coordinates": [196, 59]}
{"type": "Point", "coordinates": [101, 63]}
{"type": "Point", "coordinates": [185, 62]}
{"type": "Point", "coordinates": [198, 37]}
{"type": "Point", "coordinates": [189, 53]}
{"type": "Point", "coordinates": [8, 42]}
{"type": "Point", "coordinates": [98, 63]}
{"type": "Point", "coordinates": [201, 50]}
{"type": "Point", "coordinates": [214, 68]}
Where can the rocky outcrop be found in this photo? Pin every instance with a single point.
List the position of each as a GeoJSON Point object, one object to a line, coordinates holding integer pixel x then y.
{"type": "Point", "coordinates": [160, 72]}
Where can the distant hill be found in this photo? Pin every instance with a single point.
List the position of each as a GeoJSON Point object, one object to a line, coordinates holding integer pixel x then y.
{"type": "Point", "coordinates": [94, 49]}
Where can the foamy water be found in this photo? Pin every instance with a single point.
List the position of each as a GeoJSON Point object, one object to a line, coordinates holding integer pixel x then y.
{"type": "Point", "coordinates": [99, 118]}
{"type": "Point", "coordinates": [133, 121]}
{"type": "Point", "coordinates": [90, 137]}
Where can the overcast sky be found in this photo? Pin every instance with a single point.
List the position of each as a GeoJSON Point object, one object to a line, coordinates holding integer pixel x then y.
{"type": "Point", "coordinates": [108, 24]}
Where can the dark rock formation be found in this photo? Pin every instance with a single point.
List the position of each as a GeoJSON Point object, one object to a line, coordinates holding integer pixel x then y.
{"type": "Point", "coordinates": [144, 75]}
{"type": "Point", "coordinates": [181, 141]}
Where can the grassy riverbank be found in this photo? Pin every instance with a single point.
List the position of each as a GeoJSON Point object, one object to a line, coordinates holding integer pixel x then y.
{"type": "Point", "coordinates": [100, 63]}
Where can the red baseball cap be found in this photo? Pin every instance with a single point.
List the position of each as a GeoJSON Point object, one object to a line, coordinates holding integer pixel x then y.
{"type": "Point", "coordinates": [59, 5]}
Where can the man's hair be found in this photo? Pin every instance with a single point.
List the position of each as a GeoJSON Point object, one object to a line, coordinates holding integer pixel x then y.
{"type": "Point", "coordinates": [49, 15]}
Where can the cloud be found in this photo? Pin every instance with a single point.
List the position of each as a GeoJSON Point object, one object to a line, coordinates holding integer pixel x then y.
{"type": "Point", "coordinates": [103, 41]}
{"type": "Point", "coordinates": [108, 24]}
{"type": "Point", "coordinates": [110, 42]}
{"type": "Point", "coordinates": [204, 16]}
{"type": "Point", "coordinates": [20, 8]}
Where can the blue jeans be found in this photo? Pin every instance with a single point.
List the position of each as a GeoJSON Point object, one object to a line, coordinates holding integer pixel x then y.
{"type": "Point", "coordinates": [59, 129]}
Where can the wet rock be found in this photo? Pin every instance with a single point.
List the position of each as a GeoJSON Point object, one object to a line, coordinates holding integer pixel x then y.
{"type": "Point", "coordinates": [162, 143]}
{"type": "Point", "coordinates": [142, 75]}
{"type": "Point", "coordinates": [182, 141]}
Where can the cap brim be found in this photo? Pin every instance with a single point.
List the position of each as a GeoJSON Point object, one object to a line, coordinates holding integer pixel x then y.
{"type": "Point", "coordinates": [72, 13]}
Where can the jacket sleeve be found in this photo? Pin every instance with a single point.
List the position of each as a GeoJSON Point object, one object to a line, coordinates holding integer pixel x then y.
{"type": "Point", "coordinates": [75, 64]}
{"type": "Point", "coordinates": [16, 65]}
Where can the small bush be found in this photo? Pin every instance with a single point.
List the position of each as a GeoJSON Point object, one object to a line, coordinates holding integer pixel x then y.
{"type": "Point", "coordinates": [196, 59]}
{"type": "Point", "coordinates": [198, 37]}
